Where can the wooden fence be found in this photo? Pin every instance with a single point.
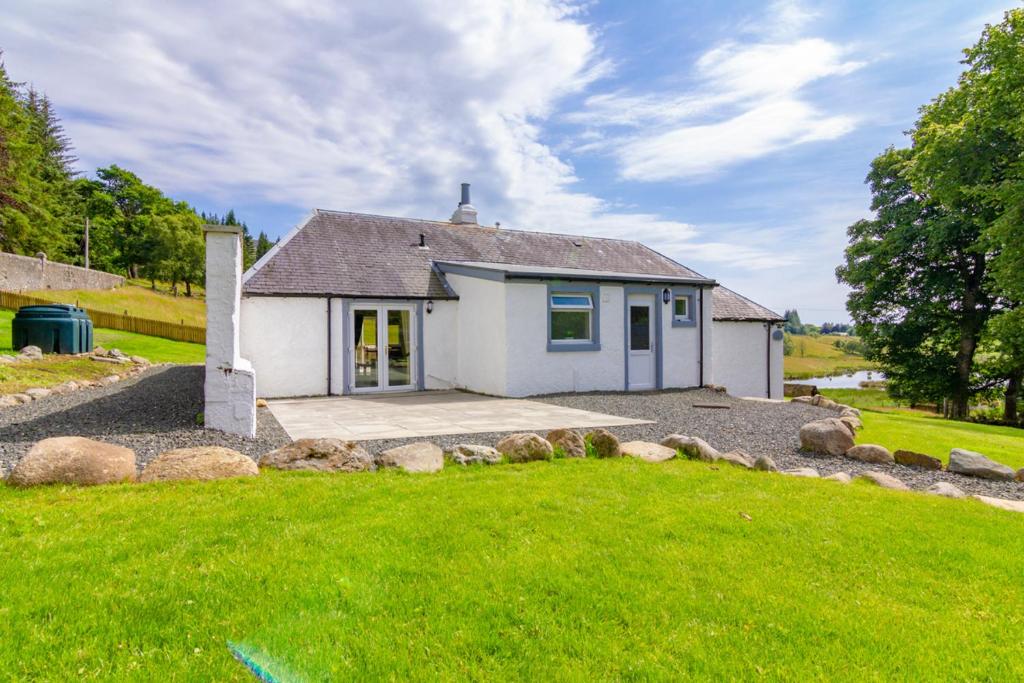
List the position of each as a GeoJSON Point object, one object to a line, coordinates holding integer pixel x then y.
{"type": "Point", "coordinates": [114, 321]}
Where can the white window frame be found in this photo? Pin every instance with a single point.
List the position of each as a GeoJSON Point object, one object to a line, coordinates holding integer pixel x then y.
{"type": "Point", "coordinates": [588, 308]}
{"type": "Point", "coordinates": [689, 314]}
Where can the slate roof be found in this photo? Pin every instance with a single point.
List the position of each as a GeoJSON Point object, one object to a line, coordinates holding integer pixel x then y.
{"type": "Point", "coordinates": [359, 255]}
{"type": "Point", "coordinates": [728, 305]}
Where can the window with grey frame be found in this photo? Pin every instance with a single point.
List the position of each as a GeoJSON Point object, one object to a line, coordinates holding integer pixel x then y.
{"type": "Point", "coordinates": [572, 318]}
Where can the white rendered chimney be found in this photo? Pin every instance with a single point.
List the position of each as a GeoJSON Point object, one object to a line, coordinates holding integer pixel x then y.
{"type": "Point", "coordinates": [466, 213]}
{"type": "Point", "coordinates": [230, 388]}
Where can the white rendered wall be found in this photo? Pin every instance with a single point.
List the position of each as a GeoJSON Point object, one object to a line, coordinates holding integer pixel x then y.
{"type": "Point", "coordinates": [441, 345]}
{"type": "Point", "coordinates": [480, 332]}
{"type": "Point", "coordinates": [229, 394]}
{"type": "Point", "coordinates": [741, 358]}
{"type": "Point", "coordinates": [285, 338]}
{"type": "Point", "coordinates": [681, 349]}
{"type": "Point", "coordinates": [532, 369]}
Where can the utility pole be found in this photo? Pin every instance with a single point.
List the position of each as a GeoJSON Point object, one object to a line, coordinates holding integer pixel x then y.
{"type": "Point", "coordinates": [87, 243]}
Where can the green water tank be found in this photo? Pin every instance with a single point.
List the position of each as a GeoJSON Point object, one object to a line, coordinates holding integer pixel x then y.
{"type": "Point", "coordinates": [55, 328]}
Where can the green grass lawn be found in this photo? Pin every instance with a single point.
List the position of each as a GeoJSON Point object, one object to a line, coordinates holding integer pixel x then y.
{"type": "Point", "coordinates": [890, 424]}
{"type": "Point", "coordinates": [156, 349]}
{"type": "Point", "coordinates": [569, 570]}
{"type": "Point", "coordinates": [819, 357]}
{"type": "Point", "coordinates": [135, 300]}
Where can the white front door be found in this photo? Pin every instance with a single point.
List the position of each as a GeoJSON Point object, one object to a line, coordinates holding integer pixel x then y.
{"type": "Point", "coordinates": [641, 337]}
{"type": "Point", "coordinates": [382, 347]}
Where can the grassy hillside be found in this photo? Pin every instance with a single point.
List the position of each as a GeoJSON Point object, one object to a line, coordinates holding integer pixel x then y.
{"type": "Point", "coordinates": [819, 357]}
{"type": "Point", "coordinates": [571, 570]}
{"type": "Point", "coordinates": [156, 349]}
{"type": "Point", "coordinates": [135, 300]}
{"type": "Point", "coordinates": [895, 427]}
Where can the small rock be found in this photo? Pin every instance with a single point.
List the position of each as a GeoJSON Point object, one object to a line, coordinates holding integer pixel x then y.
{"type": "Point", "coordinates": [525, 447]}
{"type": "Point", "coordinates": [261, 403]}
{"type": "Point", "coordinates": [74, 460]}
{"type": "Point", "coordinates": [107, 359]}
{"type": "Point", "coordinates": [1002, 503]}
{"type": "Point", "coordinates": [871, 453]}
{"type": "Point", "coordinates": [647, 451]}
{"type": "Point", "coordinates": [421, 456]}
{"type": "Point", "coordinates": [827, 403]}
{"type": "Point", "coordinates": [692, 447]}
{"type": "Point", "coordinates": [139, 360]}
{"type": "Point", "coordinates": [944, 488]}
{"type": "Point", "coordinates": [469, 454]}
{"type": "Point", "coordinates": [841, 477]}
{"type": "Point", "coordinates": [808, 472]}
{"type": "Point", "coordinates": [321, 455]}
{"type": "Point", "coordinates": [605, 444]}
{"type": "Point", "coordinates": [65, 387]}
{"type": "Point", "coordinates": [99, 351]}
{"type": "Point", "coordinates": [571, 443]}
{"type": "Point", "coordinates": [974, 464]}
{"type": "Point", "coordinates": [738, 458]}
{"type": "Point", "coordinates": [5, 359]}
{"type": "Point", "coordinates": [848, 411]}
{"type": "Point", "coordinates": [203, 464]}
{"type": "Point", "coordinates": [38, 392]}
{"type": "Point", "coordinates": [22, 398]}
{"type": "Point", "coordinates": [912, 459]}
{"type": "Point", "coordinates": [1020, 475]}
{"type": "Point", "coordinates": [884, 480]}
{"type": "Point", "coordinates": [116, 353]}
{"type": "Point", "coordinates": [852, 423]}
{"type": "Point", "coordinates": [8, 400]}
{"type": "Point", "coordinates": [30, 353]}
{"type": "Point", "coordinates": [765, 464]}
{"type": "Point", "coordinates": [828, 436]}
{"type": "Point", "coordinates": [803, 399]}
{"type": "Point", "coordinates": [110, 379]}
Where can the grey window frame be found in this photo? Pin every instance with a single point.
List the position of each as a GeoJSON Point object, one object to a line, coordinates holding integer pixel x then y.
{"type": "Point", "coordinates": [690, 295]}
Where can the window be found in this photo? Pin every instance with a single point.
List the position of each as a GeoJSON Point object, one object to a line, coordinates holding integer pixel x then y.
{"type": "Point", "coordinates": [681, 308]}
{"type": "Point", "coordinates": [571, 317]}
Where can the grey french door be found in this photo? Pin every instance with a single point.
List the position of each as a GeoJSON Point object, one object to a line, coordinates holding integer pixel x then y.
{"type": "Point", "coordinates": [382, 347]}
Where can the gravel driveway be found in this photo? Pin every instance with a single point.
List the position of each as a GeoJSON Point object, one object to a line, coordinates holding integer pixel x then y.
{"type": "Point", "coordinates": [151, 413]}
{"type": "Point", "coordinates": [157, 410]}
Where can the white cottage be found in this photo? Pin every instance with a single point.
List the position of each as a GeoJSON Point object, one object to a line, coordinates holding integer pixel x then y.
{"type": "Point", "coordinates": [350, 303]}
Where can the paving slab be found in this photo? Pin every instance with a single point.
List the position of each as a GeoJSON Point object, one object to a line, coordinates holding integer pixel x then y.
{"type": "Point", "coordinates": [428, 413]}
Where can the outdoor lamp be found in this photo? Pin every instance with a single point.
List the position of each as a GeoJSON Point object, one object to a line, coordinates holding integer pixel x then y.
{"type": "Point", "coordinates": [666, 295]}
{"type": "Point", "coordinates": [430, 305]}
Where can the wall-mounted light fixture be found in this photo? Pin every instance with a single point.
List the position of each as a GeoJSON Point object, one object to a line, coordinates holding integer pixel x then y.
{"type": "Point", "coordinates": [666, 295]}
{"type": "Point", "coordinates": [430, 306]}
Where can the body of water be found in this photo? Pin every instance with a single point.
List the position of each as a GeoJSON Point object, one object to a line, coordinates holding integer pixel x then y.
{"type": "Point", "coordinates": [851, 381]}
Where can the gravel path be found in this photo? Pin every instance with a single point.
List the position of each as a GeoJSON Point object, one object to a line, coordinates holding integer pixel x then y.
{"type": "Point", "coordinates": [151, 413]}
{"type": "Point", "coordinates": [157, 410]}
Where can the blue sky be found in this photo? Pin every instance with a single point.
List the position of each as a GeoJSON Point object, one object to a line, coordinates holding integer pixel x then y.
{"type": "Point", "coordinates": [732, 136]}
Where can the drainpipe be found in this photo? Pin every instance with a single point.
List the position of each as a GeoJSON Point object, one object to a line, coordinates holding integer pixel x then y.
{"type": "Point", "coordinates": [700, 345]}
{"type": "Point", "coordinates": [329, 363]}
{"type": "Point", "coordinates": [768, 358]}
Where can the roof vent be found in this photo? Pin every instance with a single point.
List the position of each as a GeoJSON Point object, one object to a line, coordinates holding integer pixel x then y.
{"type": "Point", "coordinates": [465, 214]}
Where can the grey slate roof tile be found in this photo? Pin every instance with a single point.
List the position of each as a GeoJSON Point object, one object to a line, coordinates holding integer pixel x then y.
{"type": "Point", "coordinates": [351, 254]}
{"type": "Point", "coordinates": [728, 305]}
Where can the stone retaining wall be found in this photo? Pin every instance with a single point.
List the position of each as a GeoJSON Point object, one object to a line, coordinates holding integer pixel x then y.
{"type": "Point", "coordinates": [21, 273]}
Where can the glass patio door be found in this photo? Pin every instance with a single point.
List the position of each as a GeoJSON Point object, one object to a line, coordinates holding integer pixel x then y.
{"type": "Point", "coordinates": [382, 350]}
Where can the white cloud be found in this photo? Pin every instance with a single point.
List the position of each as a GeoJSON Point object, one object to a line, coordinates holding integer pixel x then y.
{"type": "Point", "coordinates": [746, 101]}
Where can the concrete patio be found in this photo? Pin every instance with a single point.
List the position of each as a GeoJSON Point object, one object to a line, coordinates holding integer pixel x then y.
{"type": "Point", "coordinates": [430, 413]}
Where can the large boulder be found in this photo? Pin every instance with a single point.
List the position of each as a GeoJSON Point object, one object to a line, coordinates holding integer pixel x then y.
{"type": "Point", "coordinates": [803, 399]}
{"type": "Point", "coordinates": [852, 423]}
{"type": "Point", "coordinates": [604, 443]}
{"type": "Point", "coordinates": [1020, 475]}
{"type": "Point", "coordinates": [738, 458]}
{"type": "Point", "coordinates": [884, 480]}
{"type": "Point", "coordinates": [650, 452]}
{"type": "Point", "coordinates": [974, 464]}
{"type": "Point", "coordinates": [1002, 503]}
{"type": "Point", "coordinates": [828, 436]}
{"type": "Point", "coordinates": [421, 456]}
{"type": "Point", "coordinates": [692, 447]}
{"type": "Point", "coordinates": [945, 489]}
{"type": "Point", "coordinates": [872, 453]}
{"type": "Point", "coordinates": [914, 459]}
{"type": "Point", "coordinates": [765, 464]}
{"type": "Point", "coordinates": [321, 455]}
{"type": "Point", "coordinates": [802, 390]}
{"type": "Point", "coordinates": [570, 442]}
{"type": "Point", "coordinates": [841, 477]}
{"type": "Point", "coordinates": [74, 460]}
{"type": "Point", "coordinates": [525, 447]}
{"type": "Point", "coordinates": [471, 454]}
{"type": "Point", "coordinates": [203, 463]}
